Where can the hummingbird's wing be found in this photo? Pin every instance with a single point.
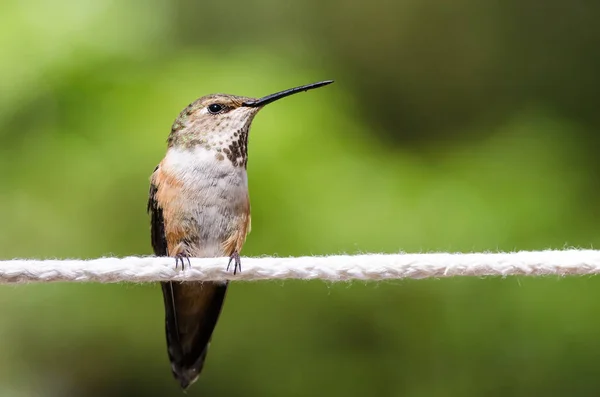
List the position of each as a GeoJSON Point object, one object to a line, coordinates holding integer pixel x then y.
{"type": "Point", "coordinates": [191, 308]}
{"type": "Point", "coordinates": [157, 223]}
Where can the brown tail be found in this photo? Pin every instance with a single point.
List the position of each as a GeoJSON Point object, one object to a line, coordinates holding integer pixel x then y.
{"type": "Point", "coordinates": [191, 313]}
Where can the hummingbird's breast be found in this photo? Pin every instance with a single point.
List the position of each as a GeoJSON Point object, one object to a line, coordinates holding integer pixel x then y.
{"type": "Point", "coordinates": [205, 201]}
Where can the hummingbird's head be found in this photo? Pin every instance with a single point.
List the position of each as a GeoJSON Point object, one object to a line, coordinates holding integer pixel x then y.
{"type": "Point", "coordinates": [221, 122]}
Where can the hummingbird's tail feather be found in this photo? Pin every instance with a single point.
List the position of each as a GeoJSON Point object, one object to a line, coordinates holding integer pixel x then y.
{"type": "Point", "coordinates": [191, 313]}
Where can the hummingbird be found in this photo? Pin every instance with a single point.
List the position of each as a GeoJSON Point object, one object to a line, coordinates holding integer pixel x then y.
{"type": "Point", "coordinates": [199, 207]}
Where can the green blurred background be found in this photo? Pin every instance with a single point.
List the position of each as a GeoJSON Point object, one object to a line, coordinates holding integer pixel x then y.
{"type": "Point", "coordinates": [452, 126]}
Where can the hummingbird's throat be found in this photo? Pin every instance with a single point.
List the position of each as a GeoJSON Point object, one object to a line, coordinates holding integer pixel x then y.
{"type": "Point", "coordinates": [232, 147]}
{"type": "Point", "coordinates": [237, 149]}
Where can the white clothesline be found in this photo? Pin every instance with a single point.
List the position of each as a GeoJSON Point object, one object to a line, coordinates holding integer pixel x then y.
{"type": "Point", "coordinates": [330, 268]}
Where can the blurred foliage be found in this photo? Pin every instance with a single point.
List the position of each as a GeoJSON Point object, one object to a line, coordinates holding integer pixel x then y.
{"type": "Point", "coordinates": [455, 126]}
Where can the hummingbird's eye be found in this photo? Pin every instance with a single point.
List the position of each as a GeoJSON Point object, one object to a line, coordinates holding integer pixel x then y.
{"type": "Point", "coordinates": [215, 108]}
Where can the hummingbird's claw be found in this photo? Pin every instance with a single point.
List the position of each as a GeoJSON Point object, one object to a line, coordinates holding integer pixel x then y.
{"type": "Point", "coordinates": [237, 266]}
{"type": "Point", "coordinates": [180, 258]}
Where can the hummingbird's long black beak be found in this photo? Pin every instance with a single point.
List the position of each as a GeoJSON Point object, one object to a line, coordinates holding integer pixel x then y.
{"type": "Point", "coordinates": [273, 97]}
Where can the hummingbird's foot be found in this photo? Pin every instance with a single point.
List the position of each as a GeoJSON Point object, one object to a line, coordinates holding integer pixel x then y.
{"type": "Point", "coordinates": [181, 258]}
{"type": "Point", "coordinates": [237, 262]}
